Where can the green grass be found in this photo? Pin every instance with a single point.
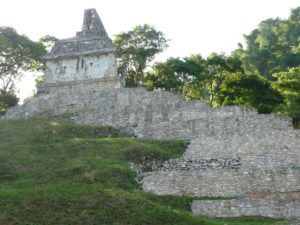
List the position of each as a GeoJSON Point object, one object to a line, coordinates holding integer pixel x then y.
{"type": "Point", "coordinates": [61, 173]}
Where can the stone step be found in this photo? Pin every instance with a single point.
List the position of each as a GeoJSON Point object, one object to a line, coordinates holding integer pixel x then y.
{"type": "Point", "coordinates": [220, 182]}
{"type": "Point", "coordinates": [275, 205]}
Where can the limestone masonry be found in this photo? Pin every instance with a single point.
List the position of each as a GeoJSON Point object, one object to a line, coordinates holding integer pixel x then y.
{"type": "Point", "coordinates": [233, 151]}
{"type": "Point", "coordinates": [88, 58]}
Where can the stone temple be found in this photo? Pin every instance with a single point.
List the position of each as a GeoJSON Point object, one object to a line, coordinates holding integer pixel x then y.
{"type": "Point", "coordinates": [252, 159]}
{"type": "Point", "coordinates": [87, 59]}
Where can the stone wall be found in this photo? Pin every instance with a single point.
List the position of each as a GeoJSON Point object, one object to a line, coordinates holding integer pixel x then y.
{"type": "Point", "coordinates": [229, 165]}
{"type": "Point", "coordinates": [80, 68]}
{"type": "Point", "coordinates": [220, 182]}
{"type": "Point", "coordinates": [71, 86]}
{"type": "Point", "coordinates": [271, 149]}
{"type": "Point", "coordinates": [279, 205]}
{"type": "Point", "coordinates": [158, 114]}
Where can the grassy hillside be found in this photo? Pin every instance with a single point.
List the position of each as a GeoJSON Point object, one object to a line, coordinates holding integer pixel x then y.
{"type": "Point", "coordinates": [60, 173]}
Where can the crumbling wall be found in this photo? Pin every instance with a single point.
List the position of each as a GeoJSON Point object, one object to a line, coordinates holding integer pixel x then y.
{"type": "Point", "coordinates": [158, 114]}
{"type": "Point", "coordinates": [220, 182]}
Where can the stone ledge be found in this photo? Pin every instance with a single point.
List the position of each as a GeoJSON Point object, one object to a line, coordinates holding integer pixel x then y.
{"type": "Point", "coordinates": [104, 79]}
{"type": "Point", "coordinates": [275, 205]}
{"type": "Point", "coordinates": [224, 182]}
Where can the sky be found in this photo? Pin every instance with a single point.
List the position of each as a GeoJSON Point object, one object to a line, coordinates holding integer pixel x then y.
{"type": "Point", "coordinates": [193, 26]}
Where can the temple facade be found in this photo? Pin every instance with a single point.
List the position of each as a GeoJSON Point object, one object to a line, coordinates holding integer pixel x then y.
{"type": "Point", "coordinates": [88, 59]}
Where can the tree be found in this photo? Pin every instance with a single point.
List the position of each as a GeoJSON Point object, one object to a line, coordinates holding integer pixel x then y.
{"type": "Point", "coordinates": [17, 53]}
{"type": "Point", "coordinates": [219, 67]}
{"type": "Point", "coordinates": [288, 84]}
{"type": "Point", "coordinates": [165, 75]}
{"type": "Point", "coordinates": [274, 46]}
{"type": "Point", "coordinates": [7, 100]}
{"type": "Point", "coordinates": [194, 77]}
{"type": "Point", "coordinates": [48, 42]}
{"type": "Point", "coordinates": [136, 49]}
{"type": "Point", "coordinates": [249, 90]}
{"type": "Point", "coordinates": [178, 75]}
{"type": "Point", "coordinates": [196, 71]}
{"type": "Point", "coordinates": [172, 74]}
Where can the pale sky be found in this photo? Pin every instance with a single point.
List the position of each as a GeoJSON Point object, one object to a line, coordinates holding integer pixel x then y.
{"type": "Point", "coordinates": [194, 26]}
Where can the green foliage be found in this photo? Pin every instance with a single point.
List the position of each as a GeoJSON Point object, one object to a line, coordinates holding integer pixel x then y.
{"type": "Point", "coordinates": [7, 100]}
{"type": "Point", "coordinates": [273, 46]}
{"type": "Point", "coordinates": [230, 80]}
{"type": "Point", "coordinates": [60, 173]}
{"type": "Point", "coordinates": [48, 41]}
{"type": "Point", "coordinates": [165, 76]}
{"type": "Point", "coordinates": [194, 77]}
{"type": "Point", "coordinates": [137, 48]}
{"type": "Point", "coordinates": [175, 73]}
{"type": "Point", "coordinates": [288, 84]}
{"type": "Point", "coordinates": [220, 80]}
{"type": "Point", "coordinates": [249, 90]}
{"type": "Point", "coordinates": [219, 67]}
{"type": "Point", "coordinates": [17, 53]}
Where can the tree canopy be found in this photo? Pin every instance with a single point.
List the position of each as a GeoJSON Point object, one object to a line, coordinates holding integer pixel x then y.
{"type": "Point", "coordinates": [274, 46]}
{"type": "Point", "coordinates": [288, 84]}
{"type": "Point", "coordinates": [249, 90]}
{"type": "Point", "coordinates": [194, 76]}
{"type": "Point", "coordinates": [173, 74]}
{"type": "Point", "coordinates": [263, 75]}
{"type": "Point", "coordinates": [17, 53]}
{"type": "Point", "coordinates": [137, 48]}
{"type": "Point", "coordinates": [7, 100]}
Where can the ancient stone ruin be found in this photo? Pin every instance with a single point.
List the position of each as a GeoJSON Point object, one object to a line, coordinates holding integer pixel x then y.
{"type": "Point", "coordinates": [252, 159]}
{"type": "Point", "coordinates": [87, 60]}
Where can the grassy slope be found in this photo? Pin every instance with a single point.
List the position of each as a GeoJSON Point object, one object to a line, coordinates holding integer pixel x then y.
{"type": "Point", "coordinates": [60, 173]}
